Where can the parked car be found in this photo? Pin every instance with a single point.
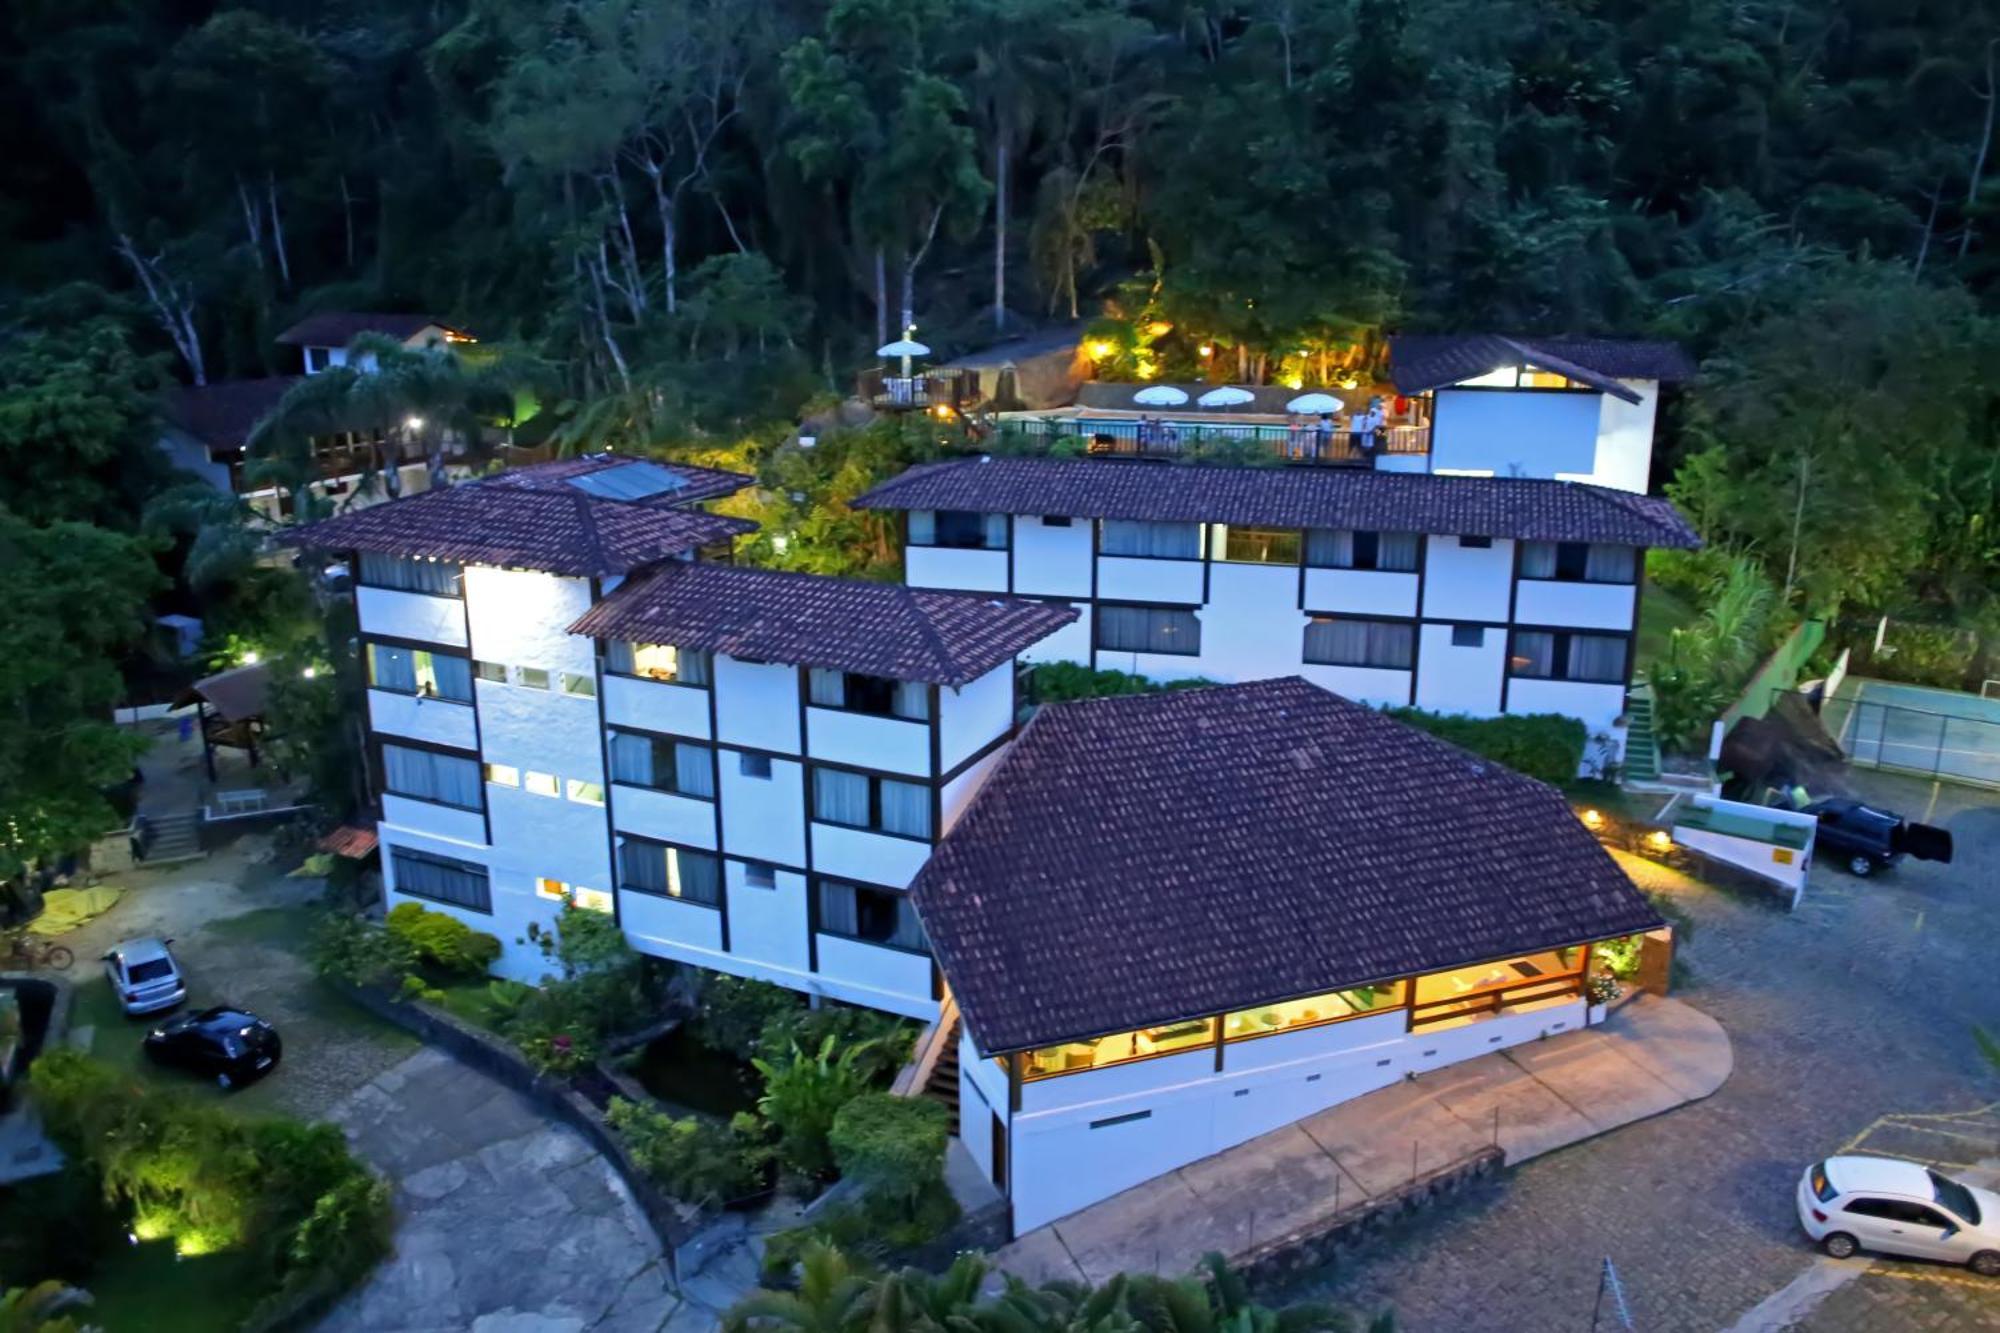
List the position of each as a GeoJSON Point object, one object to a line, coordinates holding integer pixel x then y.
{"type": "Point", "coordinates": [232, 1046]}
{"type": "Point", "coordinates": [144, 976]}
{"type": "Point", "coordinates": [1864, 839]}
{"type": "Point", "coordinates": [1889, 1206]}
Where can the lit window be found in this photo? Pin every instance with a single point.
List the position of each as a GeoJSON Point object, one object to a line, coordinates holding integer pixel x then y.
{"type": "Point", "coordinates": [542, 784]}
{"type": "Point", "coordinates": [592, 900]}
{"type": "Point", "coordinates": [535, 678]}
{"type": "Point", "coordinates": [657, 661]}
{"type": "Point", "coordinates": [583, 687]}
{"type": "Point", "coordinates": [551, 888]}
{"type": "Point", "coordinates": [506, 775]}
{"type": "Point", "coordinates": [586, 793]}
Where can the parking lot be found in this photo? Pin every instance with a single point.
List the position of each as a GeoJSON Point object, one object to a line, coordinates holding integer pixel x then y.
{"type": "Point", "coordinates": [1852, 1024]}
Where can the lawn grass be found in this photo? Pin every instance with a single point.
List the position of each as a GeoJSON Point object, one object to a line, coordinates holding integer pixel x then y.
{"type": "Point", "coordinates": [1660, 614]}
{"type": "Point", "coordinates": [147, 1288]}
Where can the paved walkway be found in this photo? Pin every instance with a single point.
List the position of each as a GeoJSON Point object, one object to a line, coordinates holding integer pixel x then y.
{"type": "Point", "coordinates": [1651, 1056]}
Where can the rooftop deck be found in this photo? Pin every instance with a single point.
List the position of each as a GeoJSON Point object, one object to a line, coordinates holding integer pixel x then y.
{"type": "Point", "coordinates": [1288, 442]}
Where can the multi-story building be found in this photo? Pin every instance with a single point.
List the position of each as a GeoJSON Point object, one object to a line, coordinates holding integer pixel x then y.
{"type": "Point", "coordinates": [747, 767]}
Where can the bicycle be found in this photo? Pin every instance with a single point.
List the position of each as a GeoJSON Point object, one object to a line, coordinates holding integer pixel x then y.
{"type": "Point", "coordinates": [24, 949]}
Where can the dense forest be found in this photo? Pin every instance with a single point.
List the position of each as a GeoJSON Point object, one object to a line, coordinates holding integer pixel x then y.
{"type": "Point", "coordinates": [688, 222]}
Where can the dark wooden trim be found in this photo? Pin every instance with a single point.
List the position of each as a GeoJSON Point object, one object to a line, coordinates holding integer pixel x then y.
{"type": "Point", "coordinates": [805, 806]}
{"type": "Point", "coordinates": [478, 731]}
{"type": "Point", "coordinates": [1013, 1084]}
{"type": "Point", "coordinates": [1010, 552]}
{"type": "Point", "coordinates": [936, 763]}
{"type": "Point", "coordinates": [1207, 534]}
{"type": "Point", "coordinates": [1219, 1043]}
{"type": "Point", "coordinates": [604, 758]}
{"type": "Point", "coordinates": [715, 785]}
{"type": "Point", "coordinates": [1513, 602]}
{"type": "Point", "coordinates": [1638, 599]}
{"type": "Point", "coordinates": [1507, 667]}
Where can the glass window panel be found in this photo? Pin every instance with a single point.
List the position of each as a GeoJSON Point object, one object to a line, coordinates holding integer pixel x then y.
{"type": "Point", "coordinates": [632, 759]}
{"type": "Point", "coordinates": [1330, 548]}
{"type": "Point", "coordinates": [1370, 643]}
{"type": "Point", "coordinates": [1143, 1044]}
{"type": "Point", "coordinates": [906, 808]}
{"type": "Point", "coordinates": [1538, 560]}
{"type": "Point", "coordinates": [1611, 564]}
{"type": "Point", "coordinates": [695, 877]}
{"type": "Point", "coordinates": [586, 793]}
{"type": "Point", "coordinates": [451, 677]}
{"type": "Point", "coordinates": [391, 668]}
{"type": "Point", "coordinates": [535, 678]}
{"type": "Point", "coordinates": [1163, 541]}
{"type": "Point", "coordinates": [1257, 546]}
{"type": "Point", "coordinates": [827, 689]}
{"type": "Point", "coordinates": [840, 797]}
{"type": "Point", "coordinates": [1596, 657]}
{"type": "Point", "coordinates": [1398, 551]}
{"type": "Point", "coordinates": [642, 866]}
{"type": "Point", "coordinates": [541, 784]}
{"type": "Point", "coordinates": [426, 576]}
{"type": "Point", "coordinates": [460, 883]}
{"type": "Point", "coordinates": [694, 770]}
{"type": "Point", "coordinates": [582, 686]}
{"type": "Point", "coordinates": [1314, 1010]}
{"type": "Point", "coordinates": [923, 527]}
{"type": "Point", "coordinates": [912, 700]}
{"type": "Point", "coordinates": [1534, 654]}
{"type": "Point", "coordinates": [505, 775]}
{"type": "Point", "coordinates": [1148, 629]}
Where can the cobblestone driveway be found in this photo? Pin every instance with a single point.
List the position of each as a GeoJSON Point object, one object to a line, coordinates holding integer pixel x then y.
{"type": "Point", "coordinates": [1854, 1009]}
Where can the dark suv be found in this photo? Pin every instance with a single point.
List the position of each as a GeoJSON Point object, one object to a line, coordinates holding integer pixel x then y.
{"type": "Point", "coordinates": [1864, 839]}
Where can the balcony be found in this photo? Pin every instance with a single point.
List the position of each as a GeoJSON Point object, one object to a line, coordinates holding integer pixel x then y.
{"type": "Point", "coordinates": [951, 389]}
{"type": "Point", "coordinates": [1221, 441]}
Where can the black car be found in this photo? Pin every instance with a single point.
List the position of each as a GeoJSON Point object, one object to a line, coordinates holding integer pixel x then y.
{"type": "Point", "coordinates": [1864, 839]}
{"type": "Point", "coordinates": [232, 1046]}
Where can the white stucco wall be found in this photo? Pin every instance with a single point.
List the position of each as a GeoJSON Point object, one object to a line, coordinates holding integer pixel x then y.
{"type": "Point", "coordinates": [439, 721]}
{"type": "Point", "coordinates": [764, 818]}
{"type": "Point", "coordinates": [1362, 592]}
{"type": "Point", "coordinates": [1052, 561]}
{"type": "Point", "coordinates": [893, 744]}
{"type": "Point", "coordinates": [1598, 706]}
{"type": "Point", "coordinates": [1252, 627]}
{"type": "Point", "coordinates": [872, 858]}
{"type": "Point", "coordinates": [1625, 438]}
{"type": "Point", "coordinates": [856, 972]}
{"type": "Point", "coordinates": [664, 816]}
{"type": "Point", "coordinates": [974, 714]}
{"type": "Point", "coordinates": [395, 614]}
{"type": "Point", "coordinates": [1584, 605]}
{"type": "Point", "coordinates": [1453, 679]}
{"type": "Point", "coordinates": [954, 567]}
{"type": "Point", "coordinates": [1071, 643]}
{"type": "Point", "coordinates": [653, 705]}
{"type": "Point", "coordinates": [757, 704]}
{"type": "Point", "coordinates": [1124, 578]}
{"type": "Point", "coordinates": [1467, 582]}
{"type": "Point", "coordinates": [1515, 432]}
{"type": "Point", "coordinates": [767, 926]}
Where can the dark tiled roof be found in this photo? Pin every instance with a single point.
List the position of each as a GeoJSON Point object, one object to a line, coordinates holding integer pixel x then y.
{"type": "Point", "coordinates": [338, 328]}
{"type": "Point", "coordinates": [503, 522]}
{"type": "Point", "coordinates": [1288, 497]}
{"type": "Point", "coordinates": [1419, 361]}
{"type": "Point", "coordinates": [1140, 860]}
{"type": "Point", "coordinates": [876, 629]}
{"type": "Point", "coordinates": [222, 415]}
{"type": "Point", "coordinates": [697, 483]}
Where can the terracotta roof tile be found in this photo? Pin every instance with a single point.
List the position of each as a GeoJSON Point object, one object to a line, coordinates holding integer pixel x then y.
{"type": "Point", "coordinates": [222, 415]}
{"type": "Point", "coordinates": [1419, 361]}
{"type": "Point", "coordinates": [1139, 860]}
{"type": "Point", "coordinates": [876, 629]}
{"type": "Point", "coordinates": [1289, 497]}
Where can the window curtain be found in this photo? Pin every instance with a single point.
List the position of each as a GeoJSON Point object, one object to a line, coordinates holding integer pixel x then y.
{"type": "Point", "coordinates": [840, 798]}
{"type": "Point", "coordinates": [837, 912]}
{"type": "Point", "coordinates": [458, 781]}
{"type": "Point", "coordinates": [913, 700]}
{"type": "Point", "coordinates": [906, 809]}
{"type": "Point", "coordinates": [1148, 629]}
{"type": "Point", "coordinates": [995, 531]}
{"type": "Point", "coordinates": [923, 527]}
{"type": "Point", "coordinates": [406, 772]}
{"type": "Point", "coordinates": [429, 576]}
{"type": "Point", "coordinates": [1374, 643]}
{"type": "Point", "coordinates": [1538, 560]}
{"type": "Point", "coordinates": [828, 689]}
{"type": "Point", "coordinates": [631, 759]}
{"type": "Point", "coordinates": [1611, 564]}
{"type": "Point", "coordinates": [693, 876]}
{"type": "Point", "coordinates": [642, 866]}
{"type": "Point", "coordinates": [695, 667]}
{"type": "Point", "coordinates": [1596, 657]}
{"type": "Point", "coordinates": [1397, 551]}
{"type": "Point", "coordinates": [454, 677]}
{"type": "Point", "coordinates": [618, 656]}
{"type": "Point", "coordinates": [392, 668]}
{"type": "Point", "coordinates": [1180, 541]}
{"type": "Point", "coordinates": [909, 932]}
{"type": "Point", "coordinates": [444, 881]}
{"type": "Point", "coordinates": [1534, 653]}
{"type": "Point", "coordinates": [432, 777]}
{"type": "Point", "coordinates": [1330, 548]}
{"type": "Point", "coordinates": [694, 771]}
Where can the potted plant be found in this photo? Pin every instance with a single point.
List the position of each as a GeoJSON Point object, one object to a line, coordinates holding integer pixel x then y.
{"type": "Point", "coordinates": [1601, 989]}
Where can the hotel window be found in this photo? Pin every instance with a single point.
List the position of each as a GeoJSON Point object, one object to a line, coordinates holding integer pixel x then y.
{"type": "Point", "coordinates": [586, 793]}
{"type": "Point", "coordinates": [1118, 1049]}
{"type": "Point", "coordinates": [551, 888]}
{"type": "Point", "coordinates": [1148, 629]}
{"type": "Point", "coordinates": [493, 671]}
{"type": "Point", "coordinates": [878, 695]}
{"type": "Point", "coordinates": [1156, 541]}
{"type": "Point", "coordinates": [861, 912]}
{"type": "Point", "coordinates": [427, 776]}
{"type": "Point", "coordinates": [1579, 562]}
{"type": "Point", "coordinates": [1538, 979]}
{"type": "Point", "coordinates": [503, 775]}
{"type": "Point", "coordinates": [958, 528]}
{"type": "Point", "coordinates": [1362, 643]}
{"type": "Point", "coordinates": [1253, 546]}
{"type": "Point", "coordinates": [1341, 548]}
{"type": "Point", "coordinates": [681, 767]}
{"type": "Point", "coordinates": [1468, 636]}
{"type": "Point", "coordinates": [1056, 520]}
{"type": "Point", "coordinates": [658, 661]}
{"type": "Point", "coordinates": [541, 784]}
{"type": "Point", "coordinates": [1541, 654]}
{"type": "Point", "coordinates": [760, 875]}
{"type": "Point", "coordinates": [407, 575]}
{"type": "Point", "coordinates": [419, 672]}
{"type": "Point", "coordinates": [754, 765]}
{"type": "Point", "coordinates": [591, 900]}
{"type": "Point", "coordinates": [861, 800]}
{"type": "Point", "coordinates": [581, 686]}
{"type": "Point", "coordinates": [534, 678]}
{"type": "Point", "coordinates": [442, 880]}
{"type": "Point", "coordinates": [669, 872]}
{"type": "Point", "coordinates": [1476, 543]}
{"type": "Point", "coordinates": [1314, 1010]}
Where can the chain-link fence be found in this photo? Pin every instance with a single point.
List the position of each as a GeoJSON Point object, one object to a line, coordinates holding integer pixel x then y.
{"type": "Point", "coordinates": [1938, 733]}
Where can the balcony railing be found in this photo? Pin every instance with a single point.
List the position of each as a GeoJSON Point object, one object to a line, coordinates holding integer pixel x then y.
{"type": "Point", "coordinates": [919, 392]}
{"type": "Point", "coordinates": [1487, 1003]}
{"type": "Point", "coordinates": [1223, 440]}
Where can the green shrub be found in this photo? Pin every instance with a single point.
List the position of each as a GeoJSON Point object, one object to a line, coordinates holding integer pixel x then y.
{"type": "Point", "coordinates": [735, 1013]}
{"type": "Point", "coordinates": [443, 941]}
{"type": "Point", "coordinates": [288, 1194]}
{"type": "Point", "coordinates": [1547, 746]}
{"type": "Point", "coordinates": [360, 952]}
{"type": "Point", "coordinates": [1061, 682]}
{"type": "Point", "coordinates": [802, 1094]}
{"type": "Point", "coordinates": [885, 1039]}
{"type": "Point", "coordinates": [894, 1146]}
{"type": "Point", "coordinates": [693, 1158]}
{"type": "Point", "coordinates": [872, 1228]}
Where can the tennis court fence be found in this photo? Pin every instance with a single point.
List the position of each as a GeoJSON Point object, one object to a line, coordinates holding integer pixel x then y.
{"type": "Point", "coordinates": [1874, 731]}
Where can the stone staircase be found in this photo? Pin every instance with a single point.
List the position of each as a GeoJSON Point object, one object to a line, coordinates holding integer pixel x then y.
{"type": "Point", "coordinates": [172, 837]}
{"type": "Point", "coordinates": [1642, 747]}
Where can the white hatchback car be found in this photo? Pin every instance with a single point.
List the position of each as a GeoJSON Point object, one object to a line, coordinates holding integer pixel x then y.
{"type": "Point", "coordinates": [1896, 1207]}
{"type": "Point", "coordinates": [145, 976]}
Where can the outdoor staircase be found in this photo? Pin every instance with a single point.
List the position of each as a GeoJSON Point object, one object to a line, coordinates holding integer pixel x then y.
{"type": "Point", "coordinates": [943, 1083]}
{"type": "Point", "coordinates": [172, 837]}
{"type": "Point", "coordinates": [1642, 747]}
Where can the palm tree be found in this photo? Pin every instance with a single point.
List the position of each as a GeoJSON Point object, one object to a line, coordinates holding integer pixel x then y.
{"type": "Point", "coordinates": [833, 1297]}
{"type": "Point", "coordinates": [415, 400]}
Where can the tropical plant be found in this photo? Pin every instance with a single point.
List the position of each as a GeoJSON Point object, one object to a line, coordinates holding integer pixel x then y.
{"type": "Point", "coordinates": [893, 1146]}
{"type": "Point", "coordinates": [693, 1158]}
{"type": "Point", "coordinates": [802, 1095]}
{"type": "Point", "coordinates": [442, 940]}
{"type": "Point", "coordinates": [833, 1296]}
{"type": "Point", "coordinates": [360, 952]}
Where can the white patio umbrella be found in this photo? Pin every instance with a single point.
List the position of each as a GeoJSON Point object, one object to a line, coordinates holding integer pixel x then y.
{"type": "Point", "coordinates": [905, 348]}
{"type": "Point", "coordinates": [1314, 404]}
{"type": "Point", "coordinates": [1160, 395]}
{"type": "Point", "coordinates": [1226, 396]}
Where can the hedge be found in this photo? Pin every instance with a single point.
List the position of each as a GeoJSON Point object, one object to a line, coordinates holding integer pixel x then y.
{"type": "Point", "coordinates": [1547, 746]}
{"type": "Point", "coordinates": [1062, 682]}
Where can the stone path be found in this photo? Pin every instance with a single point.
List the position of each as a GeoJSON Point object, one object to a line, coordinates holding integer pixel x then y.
{"type": "Point", "coordinates": [1651, 1056]}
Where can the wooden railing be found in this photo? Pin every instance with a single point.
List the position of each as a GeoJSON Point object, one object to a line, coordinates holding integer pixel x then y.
{"type": "Point", "coordinates": [1486, 1003]}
